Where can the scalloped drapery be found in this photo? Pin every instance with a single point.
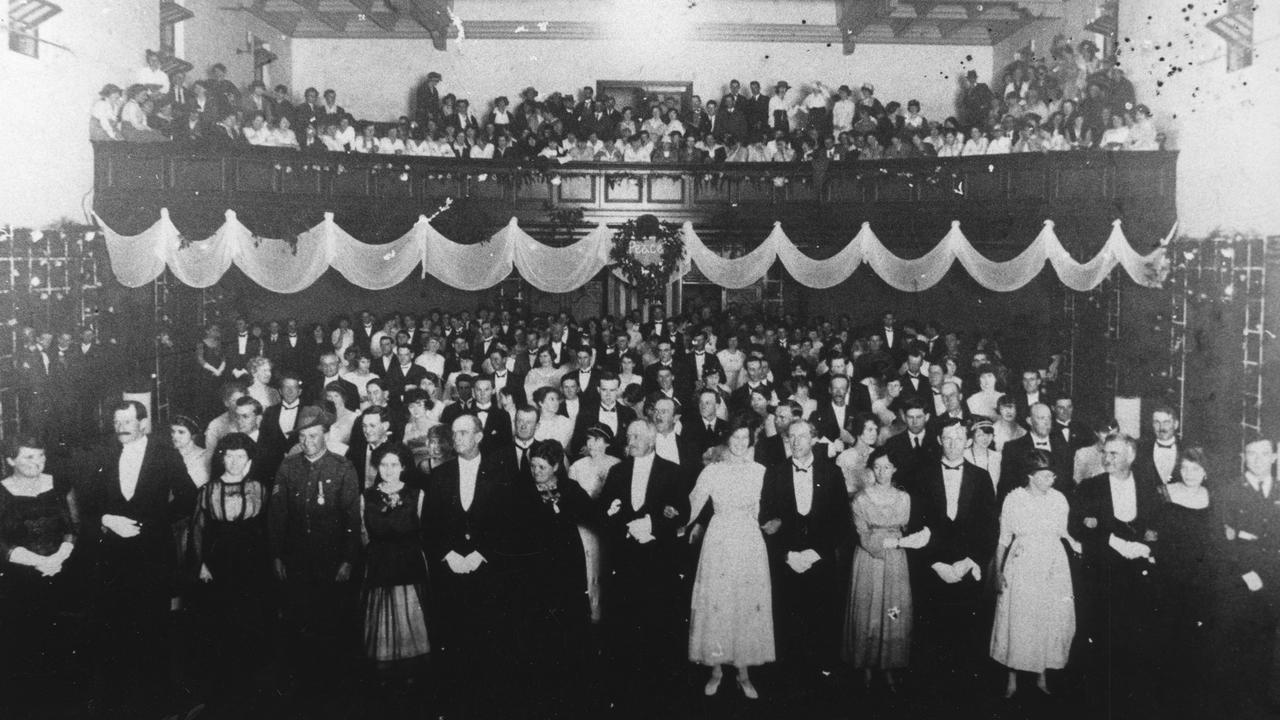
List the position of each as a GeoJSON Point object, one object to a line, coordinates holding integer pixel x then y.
{"type": "Point", "coordinates": [283, 267]}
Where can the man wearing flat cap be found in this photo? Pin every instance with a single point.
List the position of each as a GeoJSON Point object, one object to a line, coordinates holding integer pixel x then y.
{"type": "Point", "coordinates": [315, 543]}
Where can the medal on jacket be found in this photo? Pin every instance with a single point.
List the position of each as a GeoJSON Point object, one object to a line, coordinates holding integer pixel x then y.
{"type": "Point", "coordinates": [320, 493]}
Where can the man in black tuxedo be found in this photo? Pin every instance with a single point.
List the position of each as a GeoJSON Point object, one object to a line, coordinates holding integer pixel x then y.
{"type": "Point", "coordinates": [362, 334]}
{"type": "Point", "coordinates": [1014, 457]}
{"type": "Point", "coordinates": [915, 448]}
{"type": "Point", "coordinates": [375, 431]}
{"type": "Point", "coordinates": [914, 382]}
{"type": "Point", "coordinates": [274, 347]}
{"type": "Point", "coordinates": [587, 374]}
{"type": "Point", "coordinates": [955, 501]}
{"type": "Point", "coordinates": [404, 374]}
{"type": "Point", "coordinates": [804, 512]}
{"type": "Point", "coordinates": [1072, 432]}
{"type": "Point", "coordinates": [487, 343]}
{"type": "Point", "coordinates": [645, 505]}
{"type": "Point", "coordinates": [702, 429]}
{"type": "Point", "coordinates": [466, 516]}
{"type": "Point", "coordinates": [279, 422]}
{"type": "Point", "coordinates": [833, 420]}
{"type": "Point", "coordinates": [1157, 459]}
{"type": "Point", "coordinates": [1113, 516]}
{"type": "Point", "coordinates": [242, 347]}
{"type": "Point", "coordinates": [740, 399]}
{"type": "Point", "coordinates": [895, 340]}
{"type": "Point", "coordinates": [666, 382]}
{"type": "Point", "coordinates": [1030, 393]}
{"type": "Point", "coordinates": [385, 359]}
{"type": "Point", "coordinates": [605, 411]}
{"type": "Point", "coordinates": [669, 444]}
{"type": "Point", "coordinates": [757, 109]}
{"type": "Point", "coordinates": [136, 494]}
{"type": "Point", "coordinates": [1251, 598]}
{"type": "Point", "coordinates": [697, 362]}
{"type": "Point", "coordinates": [495, 423]}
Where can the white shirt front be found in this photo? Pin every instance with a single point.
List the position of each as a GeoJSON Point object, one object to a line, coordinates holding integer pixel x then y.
{"type": "Point", "coordinates": [609, 416]}
{"type": "Point", "coordinates": [667, 448]}
{"type": "Point", "coordinates": [640, 479]}
{"type": "Point", "coordinates": [468, 470]}
{"type": "Point", "coordinates": [1165, 458]}
{"type": "Point", "coordinates": [1041, 443]}
{"type": "Point", "coordinates": [951, 481]}
{"type": "Point", "coordinates": [1124, 499]}
{"type": "Point", "coordinates": [802, 482]}
{"type": "Point", "coordinates": [130, 467]}
{"type": "Point", "coordinates": [288, 416]}
{"type": "Point", "coordinates": [841, 412]}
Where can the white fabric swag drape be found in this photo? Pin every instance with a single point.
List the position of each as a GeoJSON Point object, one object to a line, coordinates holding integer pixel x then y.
{"type": "Point", "coordinates": [277, 266]}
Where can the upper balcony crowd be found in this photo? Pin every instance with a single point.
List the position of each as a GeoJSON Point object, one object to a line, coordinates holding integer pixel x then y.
{"type": "Point", "coordinates": [1073, 100]}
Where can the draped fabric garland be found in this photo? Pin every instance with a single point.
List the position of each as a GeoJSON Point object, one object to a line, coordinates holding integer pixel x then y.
{"type": "Point", "coordinates": [286, 267]}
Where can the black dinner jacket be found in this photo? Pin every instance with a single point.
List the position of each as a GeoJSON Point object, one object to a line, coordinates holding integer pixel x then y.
{"type": "Point", "coordinates": [924, 391]}
{"type": "Point", "coordinates": [400, 380]}
{"type": "Point", "coordinates": [1144, 463]}
{"type": "Point", "coordinates": [826, 526]}
{"type": "Point", "coordinates": [1092, 501]}
{"type": "Point", "coordinates": [664, 490]}
{"type": "Point", "coordinates": [270, 428]}
{"type": "Point", "coordinates": [358, 447]}
{"type": "Point", "coordinates": [825, 424]}
{"type": "Point", "coordinates": [771, 450]}
{"type": "Point", "coordinates": [976, 527]}
{"type": "Point", "coordinates": [1256, 545]}
{"type": "Point", "coordinates": [482, 527]}
{"type": "Point", "coordinates": [164, 493]}
{"type": "Point", "coordinates": [909, 460]}
{"type": "Point", "coordinates": [1024, 406]}
{"type": "Point", "coordinates": [593, 382]}
{"type": "Point", "coordinates": [588, 415]}
{"type": "Point", "coordinates": [701, 439]}
{"type": "Point", "coordinates": [383, 365]}
{"type": "Point", "coordinates": [315, 394]}
{"type": "Point", "coordinates": [1013, 465]}
{"type": "Point", "coordinates": [236, 360]}
{"type": "Point", "coordinates": [690, 363]}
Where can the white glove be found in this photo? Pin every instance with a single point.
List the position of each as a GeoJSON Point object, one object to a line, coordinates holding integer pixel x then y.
{"type": "Point", "coordinates": [205, 575]}
{"type": "Point", "coordinates": [1252, 581]}
{"type": "Point", "coordinates": [457, 563]}
{"type": "Point", "coordinates": [122, 526]}
{"type": "Point", "coordinates": [641, 529]}
{"type": "Point", "coordinates": [798, 562]}
{"type": "Point", "coordinates": [473, 561]}
{"type": "Point", "coordinates": [946, 572]}
{"type": "Point", "coordinates": [889, 543]}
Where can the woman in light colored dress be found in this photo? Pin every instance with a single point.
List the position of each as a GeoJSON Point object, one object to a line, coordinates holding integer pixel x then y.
{"type": "Point", "coordinates": [732, 360]}
{"type": "Point", "coordinates": [589, 472]}
{"type": "Point", "coordinates": [362, 373]}
{"type": "Point", "coordinates": [417, 403]}
{"type": "Point", "coordinates": [878, 616]}
{"type": "Point", "coordinates": [1035, 613]}
{"type": "Point", "coordinates": [627, 375]}
{"type": "Point", "coordinates": [551, 424]}
{"type": "Point", "coordinates": [430, 384]}
{"type": "Point", "coordinates": [983, 402]}
{"type": "Point", "coordinates": [344, 417]}
{"type": "Point", "coordinates": [731, 618]}
{"type": "Point", "coordinates": [260, 388]}
{"type": "Point", "coordinates": [853, 461]}
{"type": "Point", "coordinates": [546, 374]}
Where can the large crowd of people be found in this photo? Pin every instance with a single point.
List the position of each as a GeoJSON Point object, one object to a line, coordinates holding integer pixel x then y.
{"type": "Point", "coordinates": [1070, 101]}
{"type": "Point", "coordinates": [563, 515]}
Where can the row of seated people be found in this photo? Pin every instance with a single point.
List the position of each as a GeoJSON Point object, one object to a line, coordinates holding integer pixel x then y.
{"type": "Point", "coordinates": [814, 121]}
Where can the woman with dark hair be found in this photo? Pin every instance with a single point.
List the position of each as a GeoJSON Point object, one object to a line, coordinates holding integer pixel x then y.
{"type": "Point", "coordinates": [188, 440]}
{"type": "Point", "coordinates": [731, 617]}
{"type": "Point", "coordinates": [39, 524]}
{"type": "Point", "coordinates": [437, 449]}
{"type": "Point", "coordinates": [553, 600]}
{"type": "Point", "coordinates": [551, 424]}
{"type": "Point", "coordinates": [627, 365]}
{"type": "Point", "coordinates": [394, 594]}
{"type": "Point", "coordinates": [878, 615]}
{"type": "Point", "coordinates": [418, 405]}
{"type": "Point", "coordinates": [546, 374]}
{"type": "Point", "coordinates": [854, 462]}
{"type": "Point", "coordinates": [590, 471]}
{"type": "Point", "coordinates": [1035, 617]}
{"type": "Point", "coordinates": [1188, 573]}
{"type": "Point", "coordinates": [312, 349]}
{"type": "Point", "coordinates": [229, 543]}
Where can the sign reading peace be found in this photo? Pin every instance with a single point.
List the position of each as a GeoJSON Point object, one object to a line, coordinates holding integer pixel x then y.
{"type": "Point", "coordinates": [646, 252]}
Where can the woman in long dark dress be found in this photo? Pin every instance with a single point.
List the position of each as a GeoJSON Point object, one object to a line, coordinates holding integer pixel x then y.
{"type": "Point", "coordinates": [212, 369]}
{"type": "Point", "coordinates": [229, 539]}
{"type": "Point", "coordinates": [38, 530]}
{"type": "Point", "coordinates": [1187, 569]}
{"type": "Point", "coordinates": [394, 599]}
{"type": "Point", "coordinates": [555, 608]}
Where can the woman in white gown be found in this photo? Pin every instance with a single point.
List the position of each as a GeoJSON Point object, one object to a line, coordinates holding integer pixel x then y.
{"type": "Point", "coordinates": [590, 472]}
{"type": "Point", "coordinates": [731, 618]}
{"type": "Point", "coordinates": [551, 424]}
{"type": "Point", "coordinates": [1035, 613]}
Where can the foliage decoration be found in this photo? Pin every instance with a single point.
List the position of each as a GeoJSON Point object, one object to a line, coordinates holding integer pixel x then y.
{"type": "Point", "coordinates": [647, 252]}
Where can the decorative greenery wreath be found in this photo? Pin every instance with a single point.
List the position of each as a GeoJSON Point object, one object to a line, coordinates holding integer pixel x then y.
{"type": "Point", "coordinates": [646, 252]}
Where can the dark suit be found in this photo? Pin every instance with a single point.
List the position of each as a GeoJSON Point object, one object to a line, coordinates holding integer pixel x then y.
{"type": "Point", "coordinates": [236, 360]}
{"type": "Point", "coordinates": [700, 437]}
{"type": "Point", "coordinates": [1144, 464]}
{"type": "Point", "coordinates": [399, 379]}
{"type": "Point", "coordinates": [740, 399]}
{"type": "Point", "coordinates": [1248, 629]}
{"type": "Point", "coordinates": [1119, 596]}
{"type": "Point", "coordinates": [135, 574]}
{"type": "Point", "coordinates": [732, 122]}
{"type": "Point", "coordinates": [471, 613]}
{"type": "Point", "coordinates": [682, 384]}
{"type": "Point", "coordinates": [1014, 466]}
{"type": "Point", "coordinates": [807, 606]}
{"type": "Point", "coordinates": [272, 432]}
{"type": "Point", "coordinates": [315, 393]}
{"type": "Point", "coordinates": [690, 366]}
{"type": "Point", "coordinates": [497, 424]}
{"type": "Point", "coordinates": [643, 591]}
{"type": "Point", "coordinates": [1024, 404]}
{"type": "Point", "coordinates": [909, 459]}
{"type": "Point", "coordinates": [771, 450]}
{"type": "Point", "coordinates": [950, 622]}
{"type": "Point", "coordinates": [919, 387]}
{"type": "Point", "coordinates": [588, 415]}
{"type": "Point", "coordinates": [827, 426]}
{"type": "Point", "coordinates": [383, 365]}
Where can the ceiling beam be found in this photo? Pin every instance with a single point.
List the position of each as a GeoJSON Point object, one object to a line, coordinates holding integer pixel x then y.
{"type": "Point", "coordinates": [385, 20]}
{"type": "Point", "coordinates": [434, 17]}
{"type": "Point", "coordinates": [854, 17]}
{"type": "Point", "coordinates": [334, 21]}
{"type": "Point", "coordinates": [285, 23]}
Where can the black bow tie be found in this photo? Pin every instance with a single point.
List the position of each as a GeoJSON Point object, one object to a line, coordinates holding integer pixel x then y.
{"type": "Point", "coordinates": [951, 467]}
{"type": "Point", "coordinates": [799, 469]}
{"type": "Point", "coordinates": [613, 409]}
{"type": "Point", "coordinates": [287, 406]}
{"type": "Point", "coordinates": [1164, 446]}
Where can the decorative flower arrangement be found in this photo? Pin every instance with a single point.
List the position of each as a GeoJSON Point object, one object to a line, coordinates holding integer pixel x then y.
{"type": "Point", "coordinates": [646, 252]}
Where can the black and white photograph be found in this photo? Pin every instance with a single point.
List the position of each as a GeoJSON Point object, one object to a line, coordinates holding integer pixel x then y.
{"type": "Point", "coordinates": [639, 360]}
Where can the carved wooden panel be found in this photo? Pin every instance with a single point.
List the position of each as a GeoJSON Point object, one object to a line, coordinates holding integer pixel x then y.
{"type": "Point", "coordinates": [666, 190]}
{"type": "Point", "coordinates": [254, 176]}
{"type": "Point", "coordinates": [300, 180]}
{"type": "Point", "coordinates": [578, 189]}
{"type": "Point", "coordinates": [351, 182]}
{"type": "Point", "coordinates": [1080, 183]}
{"type": "Point", "coordinates": [622, 190]}
{"type": "Point", "coordinates": [126, 173]}
{"type": "Point", "coordinates": [204, 174]}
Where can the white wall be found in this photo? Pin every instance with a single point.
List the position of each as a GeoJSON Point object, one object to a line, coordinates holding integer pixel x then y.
{"type": "Point", "coordinates": [46, 162]}
{"type": "Point", "coordinates": [1226, 125]}
{"type": "Point", "coordinates": [216, 33]}
{"type": "Point", "coordinates": [375, 79]}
